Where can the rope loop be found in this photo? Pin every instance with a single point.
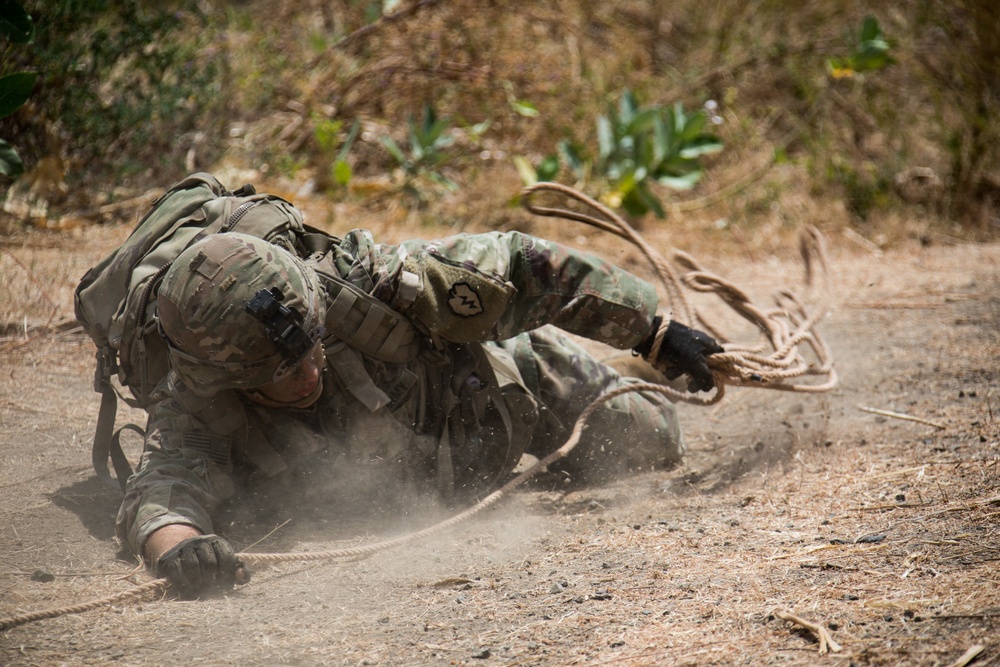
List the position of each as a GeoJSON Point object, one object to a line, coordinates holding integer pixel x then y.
{"type": "Point", "coordinates": [776, 361]}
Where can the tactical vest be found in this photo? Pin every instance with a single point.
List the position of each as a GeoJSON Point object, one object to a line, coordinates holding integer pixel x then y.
{"type": "Point", "coordinates": [465, 407]}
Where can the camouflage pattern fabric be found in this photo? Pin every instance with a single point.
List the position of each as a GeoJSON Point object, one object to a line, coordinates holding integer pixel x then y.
{"type": "Point", "coordinates": [213, 342]}
{"type": "Point", "coordinates": [630, 433]}
{"type": "Point", "coordinates": [469, 280]}
{"type": "Point", "coordinates": [495, 378]}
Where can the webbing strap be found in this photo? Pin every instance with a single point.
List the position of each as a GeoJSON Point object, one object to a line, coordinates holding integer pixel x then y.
{"type": "Point", "coordinates": [103, 433]}
{"type": "Point", "coordinates": [341, 305]}
{"type": "Point", "coordinates": [373, 318]}
{"type": "Point", "coordinates": [123, 470]}
{"type": "Point", "coordinates": [107, 442]}
{"type": "Point", "coordinates": [398, 336]}
{"type": "Point", "coordinates": [496, 396]}
{"type": "Point", "coordinates": [444, 467]}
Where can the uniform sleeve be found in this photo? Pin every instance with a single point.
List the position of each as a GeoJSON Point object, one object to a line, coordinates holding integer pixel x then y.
{"type": "Point", "coordinates": [180, 479]}
{"type": "Point", "coordinates": [493, 286]}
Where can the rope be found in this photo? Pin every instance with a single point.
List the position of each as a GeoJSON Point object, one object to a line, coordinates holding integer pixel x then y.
{"type": "Point", "coordinates": [767, 365]}
{"type": "Point", "coordinates": [155, 586]}
{"type": "Point", "coordinates": [776, 361]}
{"type": "Point", "coordinates": [161, 585]}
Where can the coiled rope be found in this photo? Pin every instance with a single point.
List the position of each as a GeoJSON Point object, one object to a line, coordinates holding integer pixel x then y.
{"type": "Point", "coordinates": [773, 362]}
{"type": "Point", "coordinates": [785, 328]}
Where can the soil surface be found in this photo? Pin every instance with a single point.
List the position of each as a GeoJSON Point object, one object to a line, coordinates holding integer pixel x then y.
{"type": "Point", "coordinates": [884, 531]}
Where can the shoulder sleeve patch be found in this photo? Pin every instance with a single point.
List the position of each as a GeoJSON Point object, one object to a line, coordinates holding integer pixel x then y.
{"type": "Point", "coordinates": [456, 301]}
{"type": "Point", "coordinates": [464, 301]}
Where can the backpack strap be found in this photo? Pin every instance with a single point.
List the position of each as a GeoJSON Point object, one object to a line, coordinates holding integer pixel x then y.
{"type": "Point", "coordinates": [107, 441]}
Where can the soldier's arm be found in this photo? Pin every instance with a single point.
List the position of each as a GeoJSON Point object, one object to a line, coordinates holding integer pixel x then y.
{"type": "Point", "coordinates": [172, 487]}
{"type": "Point", "coordinates": [496, 285]}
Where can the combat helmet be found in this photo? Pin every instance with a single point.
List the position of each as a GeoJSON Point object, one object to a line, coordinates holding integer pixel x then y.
{"type": "Point", "coordinates": [238, 312]}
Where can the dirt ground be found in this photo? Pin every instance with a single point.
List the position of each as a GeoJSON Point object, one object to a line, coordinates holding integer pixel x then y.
{"type": "Point", "coordinates": [883, 530]}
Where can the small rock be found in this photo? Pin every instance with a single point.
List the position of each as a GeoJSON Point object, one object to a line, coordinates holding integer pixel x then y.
{"type": "Point", "coordinates": [482, 654]}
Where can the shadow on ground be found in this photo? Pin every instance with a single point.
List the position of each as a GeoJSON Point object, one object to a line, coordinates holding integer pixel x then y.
{"type": "Point", "coordinates": [93, 502]}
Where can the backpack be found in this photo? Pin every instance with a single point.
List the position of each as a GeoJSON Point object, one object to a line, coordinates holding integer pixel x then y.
{"type": "Point", "coordinates": [115, 301]}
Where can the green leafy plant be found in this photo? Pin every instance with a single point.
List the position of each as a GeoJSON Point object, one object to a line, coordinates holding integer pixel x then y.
{"type": "Point", "coordinates": [520, 107]}
{"type": "Point", "coordinates": [425, 152]}
{"type": "Point", "coordinates": [16, 25]}
{"type": "Point", "coordinates": [637, 147]}
{"type": "Point", "coordinates": [870, 53]}
{"type": "Point", "coordinates": [546, 170]}
{"type": "Point", "coordinates": [328, 137]}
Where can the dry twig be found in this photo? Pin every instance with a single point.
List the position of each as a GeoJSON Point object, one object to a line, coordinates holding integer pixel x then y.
{"type": "Point", "coordinates": [900, 415]}
{"type": "Point", "coordinates": [968, 656]}
{"type": "Point", "coordinates": [826, 642]}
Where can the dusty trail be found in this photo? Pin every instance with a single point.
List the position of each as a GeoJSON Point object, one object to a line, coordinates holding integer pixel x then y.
{"type": "Point", "coordinates": [883, 530]}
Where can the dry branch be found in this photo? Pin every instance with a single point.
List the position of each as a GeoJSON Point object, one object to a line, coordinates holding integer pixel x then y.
{"type": "Point", "coordinates": [826, 642]}
{"type": "Point", "coordinates": [968, 656]}
{"type": "Point", "coordinates": [900, 415]}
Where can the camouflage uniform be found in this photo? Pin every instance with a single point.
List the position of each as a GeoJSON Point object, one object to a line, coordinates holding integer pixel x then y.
{"type": "Point", "coordinates": [491, 377]}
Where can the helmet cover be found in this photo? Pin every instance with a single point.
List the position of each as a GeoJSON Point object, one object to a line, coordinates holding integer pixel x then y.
{"type": "Point", "coordinates": [217, 339]}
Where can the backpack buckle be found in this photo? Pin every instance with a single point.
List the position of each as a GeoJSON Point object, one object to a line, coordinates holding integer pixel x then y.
{"type": "Point", "coordinates": [107, 364]}
{"type": "Point", "coordinates": [244, 190]}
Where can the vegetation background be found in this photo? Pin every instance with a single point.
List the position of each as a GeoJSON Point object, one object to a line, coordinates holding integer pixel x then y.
{"type": "Point", "coordinates": [877, 122]}
{"type": "Point", "coordinates": [322, 99]}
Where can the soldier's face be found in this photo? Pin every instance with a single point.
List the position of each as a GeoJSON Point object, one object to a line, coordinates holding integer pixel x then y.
{"type": "Point", "coordinates": [303, 385]}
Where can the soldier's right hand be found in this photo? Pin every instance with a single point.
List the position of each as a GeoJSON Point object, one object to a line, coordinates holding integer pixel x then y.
{"type": "Point", "coordinates": [200, 565]}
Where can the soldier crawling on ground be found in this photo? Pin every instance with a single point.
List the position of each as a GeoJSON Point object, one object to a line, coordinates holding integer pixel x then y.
{"type": "Point", "coordinates": [445, 361]}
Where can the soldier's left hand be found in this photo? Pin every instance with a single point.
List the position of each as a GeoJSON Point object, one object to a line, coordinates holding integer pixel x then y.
{"type": "Point", "coordinates": [685, 351]}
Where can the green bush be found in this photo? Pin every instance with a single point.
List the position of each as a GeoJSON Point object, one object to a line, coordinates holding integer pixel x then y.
{"type": "Point", "coordinates": [636, 147]}
{"type": "Point", "coordinates": [424, 153]}
{"type": "Point", "coordinates": [123, 87]}
{"type": "Point", "coordinates": [17, 27]}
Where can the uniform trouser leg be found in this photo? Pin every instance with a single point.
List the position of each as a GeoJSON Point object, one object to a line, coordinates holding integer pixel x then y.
{"type": "Point", "coordinates": [631, 432]}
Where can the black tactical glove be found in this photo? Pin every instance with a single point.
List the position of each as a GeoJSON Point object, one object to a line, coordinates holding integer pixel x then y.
{"type": "Point", "coordinates": [201, 565]}
{"type": "Point", "coordinates": [681, 350]}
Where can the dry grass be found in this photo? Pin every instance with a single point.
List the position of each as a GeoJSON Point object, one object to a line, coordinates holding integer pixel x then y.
{"type": "Point", "coordinates": [882, 530]}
